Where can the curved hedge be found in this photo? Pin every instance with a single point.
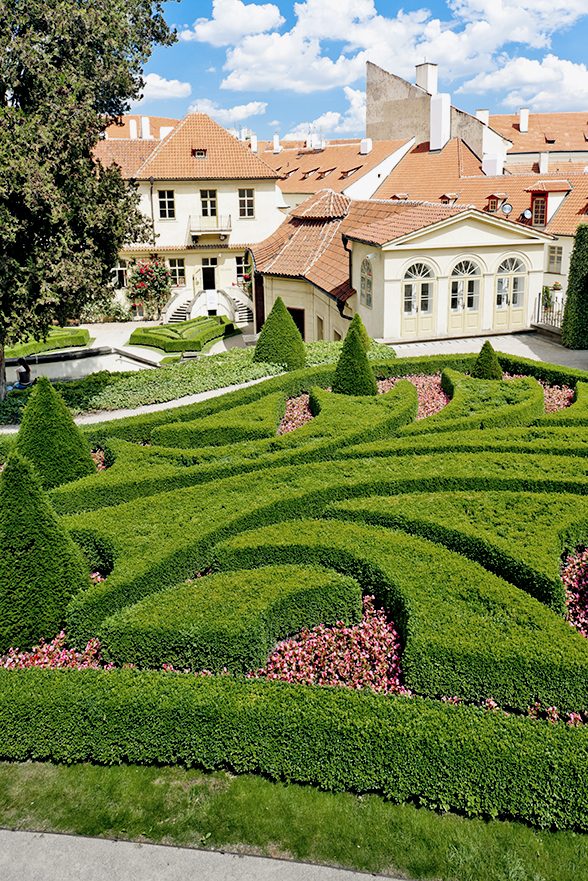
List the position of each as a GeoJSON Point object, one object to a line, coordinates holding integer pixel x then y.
{"type": "Point", "coordinates": [466, 630]}
{"type": "Point", "coordinates": [189, 336]}
{"type": "Point", "coordinates": [230, 620]}
{"type": "Point", "coordinates": [57, 338]}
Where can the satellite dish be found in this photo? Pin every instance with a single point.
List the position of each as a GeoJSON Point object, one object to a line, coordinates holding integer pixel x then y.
{"type": "Point", "coordinates": [527, 214]}
{"type": "Point", "coordinates": [506, 208]}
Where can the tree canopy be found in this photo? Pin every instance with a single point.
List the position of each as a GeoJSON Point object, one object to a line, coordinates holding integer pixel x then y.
{"type": "Point", "coordinates": [68, 70]}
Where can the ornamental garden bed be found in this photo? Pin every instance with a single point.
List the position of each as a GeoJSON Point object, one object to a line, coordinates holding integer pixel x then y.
{"type": "Point", "coordinates": [456, 526]}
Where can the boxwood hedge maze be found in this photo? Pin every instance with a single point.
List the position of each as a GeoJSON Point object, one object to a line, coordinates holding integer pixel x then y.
{"type": "Point", "coordinates": [214, 538]}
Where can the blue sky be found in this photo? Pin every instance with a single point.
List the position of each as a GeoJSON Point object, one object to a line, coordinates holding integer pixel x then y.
{"type": "Point", "coordinates": [293, 67]}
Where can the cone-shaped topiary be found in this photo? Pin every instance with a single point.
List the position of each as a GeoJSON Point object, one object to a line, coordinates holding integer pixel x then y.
{"type": "Point", "coordinates": [574, 327]}
{"type": "Point", "coordinates": [358, 323]}
{"type": "Point", "coordinates": [487, 366]}
{"type": "Point", "coordinates": [40, 567]}
{"type": "Point", "coordinates": [280, 341]}
{"type": "Point", "coordinates": [50, 439]}
{"type": "Point", "coordinates": [353, 374]}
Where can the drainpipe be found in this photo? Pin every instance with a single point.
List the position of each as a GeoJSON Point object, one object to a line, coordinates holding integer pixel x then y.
{"type": "Point", "coordinates": [151, 182]}
{"type": "Point", "coordinates": [340, 303]}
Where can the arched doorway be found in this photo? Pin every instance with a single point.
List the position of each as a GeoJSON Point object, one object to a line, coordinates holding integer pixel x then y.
{"type": "Point", "coordinates": [464, 297]}
{"type": "Point", "coordinates": [509, 305]}
{"type": "Point", "coordinates": [418, 301]}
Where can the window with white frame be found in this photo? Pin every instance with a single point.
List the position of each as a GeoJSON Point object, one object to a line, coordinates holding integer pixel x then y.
{"type": "Point", "coordinates": [418, 289]}
{"type": "Point", "coordinates": [242, 269]}
{"type": "Point", "coordinates": [208, 203]}
{"type": "Point", "coordinates": [465, 287]}
{"type": "Point", "coordinates": [119, 274]}
{"type": "Point", "coordinates": [177, 272]}
{"type": "Point", "coordinates": [167, 205]}
{"type": "Point", "coordinates": [366, 279]}
{"type": "Point", "coordinates": [246, 203]}
{"type": "Point", "coordinates": [554, 256]}
{"type": "Point", "coordinates": [510, 283]}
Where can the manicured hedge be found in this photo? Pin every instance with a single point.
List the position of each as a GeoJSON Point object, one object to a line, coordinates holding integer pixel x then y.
{"type": "Point", "coordinates": [465, 631]}
{"type": "Point", "coordinates": [189, 336]}
{"type": "Point", "coordinates": [248, 422]}
{"type": "Point", "coordinates": [480, 403]}
{"type": "Point", "coordinates": [280, 341]}
{"type": "Point", "coordinates": [57, 338]}
{"type": "Point", "coordinates": [524, 550]}
{"type": "Point", "coordinates": [177, 530]}
{"type": "Point", "coordinates": [435, 754]}
{"type": "Point", "coordinates": [231, 619]}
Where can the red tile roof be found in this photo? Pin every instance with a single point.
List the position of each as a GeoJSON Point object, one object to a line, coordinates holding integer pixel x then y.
{"type": "Point", "coordinates": [226, 158]}
{"type": "Point", "coordinates": [568, 130]}
{"type": "Point", "coordinates": [305, 171]}
{"type": "Point", "coordinates": [324, 205]}
{"type": "Point", "coordinates": [414, 217]}
{"type": "Point", "coordinates": [425, 175]}
{"type": "Point", "coordinates": [128, 154]}
{"type": "Point", "coordinates": [311, 247]}
{"type": "Point", "coordinates": [549, 186]}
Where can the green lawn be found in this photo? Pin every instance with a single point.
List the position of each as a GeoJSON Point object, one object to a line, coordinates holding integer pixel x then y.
{"type": "Point", "coordinates": [250, 814]}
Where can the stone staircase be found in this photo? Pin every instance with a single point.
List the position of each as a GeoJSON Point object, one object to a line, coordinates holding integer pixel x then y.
{"type": "Point", "coordinates": [180, 313]}
{"type": "Point", "coordinates": [243, 314]}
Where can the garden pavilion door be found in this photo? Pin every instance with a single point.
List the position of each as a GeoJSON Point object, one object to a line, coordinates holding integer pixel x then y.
{"type": "Point", "coordinates": [464, 298]}
{"type": "Point", "coordinates": [418, 301]}
{"type": "Point", "coordinates": [509, 306]}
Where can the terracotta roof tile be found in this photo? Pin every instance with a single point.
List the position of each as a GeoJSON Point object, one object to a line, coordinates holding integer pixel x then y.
{"type": "Point", "coordinates": [225, 157]}
{"type": "Point", "coordinates": [404, 222]}
{"type": "Point", "coordinates": [324, 205]}
{"type": "Point", "coordinates": [424, 175]}
{"type": "Point", "coordinates": [329, 165]}
{"type": "Point", "coordinates": [569, 131]}
{"type": "Point", "coordinates": [312, 248]}
{"type": "Point", "coordinates": [549, 186]}
{"type": "Point", "coordinates": [128, 154]}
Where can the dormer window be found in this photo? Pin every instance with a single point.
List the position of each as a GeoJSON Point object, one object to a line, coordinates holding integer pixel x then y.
{"type": "Point", "coordinates": [322, 174]}
{"type": "Point", "coordinates": [539, 210]}
{"type": "Point", "coordinates": [308, 173]}
{"type": "Point", "coordinates": [549, 137]}
{"type": "Point", "coordinates": [290, 173]}
{"type": "Point", "coordinates": [350, 171]}
{"type": "Point", "coordinates": [198, 153]}
{"type": "Point", "coordinates": [493, 203]}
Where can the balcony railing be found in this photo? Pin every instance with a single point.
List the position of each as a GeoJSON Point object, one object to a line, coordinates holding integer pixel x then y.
{"type": "Point", "coordinates": [550, 312]}
{"type": "Point", "coordinates": [200, 225]}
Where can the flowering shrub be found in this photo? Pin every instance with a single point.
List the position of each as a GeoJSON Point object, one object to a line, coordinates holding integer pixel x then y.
{"type": "Point", "coordinates": [149, 285]}
{"type": "Point", "coordinates": [364, 655]}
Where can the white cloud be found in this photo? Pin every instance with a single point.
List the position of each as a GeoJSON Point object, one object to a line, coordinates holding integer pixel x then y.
{"type": "Point", "coordinates": [332, 122]}
{"type": "Point", "coordinates": [259, 57]}
{"type": "Point", "coordinates": [157, 87]}
{"type": "Point", "coordinates": [230, 115]}
{"type": "Point", "coordinates": [550, 84]}
{"type": "Point", "coordinates": [231, 20]}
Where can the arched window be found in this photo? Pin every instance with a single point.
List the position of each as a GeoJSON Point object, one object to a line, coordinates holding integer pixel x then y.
{"type": "Point", "coordinates": [465, 287]}
{"type": "Point", "coordinates": [418, 289]}
{"type": "Point", "coordinates": [365, 293]}
{"type": "Point", "coordinates": [510, 283]}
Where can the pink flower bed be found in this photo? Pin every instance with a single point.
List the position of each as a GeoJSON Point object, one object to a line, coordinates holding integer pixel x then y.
{"type": "Point", "coordinates": [431, 396]}
{"type": "Point", "coordinates": [98, 457]}
{"type": "Point", "coordinates": [54, 656]}
{"type": "Point", "coordinates": [575, 578]}
{"type": "Point", "coordinates": [297, 414]}
{"type": "Point", "coordinates": [364, 655]}
{"type": "Point", "coordinates": [557, 397]}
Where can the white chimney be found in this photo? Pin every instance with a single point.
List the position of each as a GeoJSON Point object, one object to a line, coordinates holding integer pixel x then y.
{"type": "Point", "coordinates": [145, 129]}
{"type": "Point", "coordinates": [483, 116]}
{"type": "Point", "coordinates": [365, 147]}
{"type": "Point", "coordinates": [524, 119]}
{"type": "Point", "coordinates": [426, 77]}
{"type": "Point", "coordinates": [253, 143]}
{"type": "Point", "coordinates": [133, 129]}
{"type": "Point", "coordinates": [440, 125]}
{"type": "Point", "coordinates": [277, 148]}
{"type": "Point", "coordinates": [543, 163]}
{"type": "Point", "coordinates": [493, 164]}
